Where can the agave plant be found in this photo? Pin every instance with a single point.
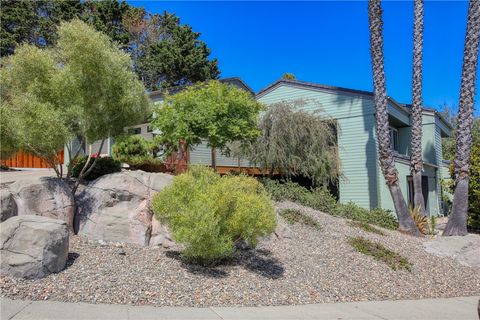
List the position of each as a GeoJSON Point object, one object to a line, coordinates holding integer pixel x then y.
{"type": "Point", "coordinates": [420, 220]}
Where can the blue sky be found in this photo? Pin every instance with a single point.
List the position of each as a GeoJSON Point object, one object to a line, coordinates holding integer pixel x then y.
{"type": "Point", "coordinates": [328, 43]}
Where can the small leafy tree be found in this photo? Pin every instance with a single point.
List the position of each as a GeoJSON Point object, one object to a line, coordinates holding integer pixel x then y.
{"type": "Point", "coordinates": [213, 111]}
{"type": "Point", "coordinates": [83, 87]}
{"type": "Point", "coordinates": [295, 143]}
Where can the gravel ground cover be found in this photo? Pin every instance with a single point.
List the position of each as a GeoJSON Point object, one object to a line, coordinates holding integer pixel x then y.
{"type": "Point", "coordinates": [312, 266]}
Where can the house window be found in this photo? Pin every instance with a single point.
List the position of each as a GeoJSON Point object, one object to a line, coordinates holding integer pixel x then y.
{"type": "Point", "coordinates": [135, 130]}
{"type": "Point", "coordinates": [149, 129]}
{"type": "Point", "coordinates": [394, 139]}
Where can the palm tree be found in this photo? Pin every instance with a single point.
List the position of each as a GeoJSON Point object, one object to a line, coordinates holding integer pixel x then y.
{"type": "Point", "coordinates": [416, 161]}
{"type": "Point", "coordinates": [457, 224]}
{"type": "Point", "coordinates": [405, 221]}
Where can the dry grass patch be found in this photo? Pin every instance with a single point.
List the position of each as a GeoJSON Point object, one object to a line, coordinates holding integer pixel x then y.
{"type": "Point", "coordinates": [380, 253]}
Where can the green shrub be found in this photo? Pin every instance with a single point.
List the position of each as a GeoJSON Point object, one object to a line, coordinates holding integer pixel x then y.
{"type": "Point", "coordinates": [379, 217]}
{"type": "Point", "coordinates": [130, 148]}
{"type": "Point", "coordinates": [104, 165]}
{"type": "Point", "coordinates": [380, 253]}
{"type": "Point", "coordinates": [321, 199]}
{"type": "Point", "coordinates": [473, 221]}
{"type": "Point", "coordinates": [208, 213]}
{"type": "Point", "coordinates": [293, 216]}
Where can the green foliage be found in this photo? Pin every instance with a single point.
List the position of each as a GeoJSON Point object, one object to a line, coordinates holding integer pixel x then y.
{"type": "Point", "coordinates": [107, 16]}
{"type": "Point", "coordinates": [104, 165]}
{"type": "Point", "coordinates": [473, 221]}
{"type": "Point", "coordinates": [366, 227]}
{"type": "Point", "coordinates": [289, 76]}
{"type": "Point", "coordinates": [83, 87]}
{"type": "Point", "coordinates": [165, 53]}
{"type": "Point", "coordinates": [295, 143]}
{"type": "Point", "coordinates": [293, 216]}
{"type": "Point", "coordinates": [138, 153]}
{"type": "Point", "coordinates": [420, 220]}
{"type": "Point", "coordinates": [217, 112]}
{"type": "Point", "coordinates": [180, 58]}
{"type": "Point", "coordinates": [432, 226]}
{"type": "Point", "coordinates": [34, 22]}
{"type": "Point", "coordinates": [131, 148]}
{"type": "Point", "coordinates": [380, 253]}
{"type": "Point", "coordinates": [380, 217]}
{"type": "Point", "coordinates": [320, 199]}
{"type": "Point", "coordinates": [32, 116]}
{"type": "Point", "coordinates": [208, 213]}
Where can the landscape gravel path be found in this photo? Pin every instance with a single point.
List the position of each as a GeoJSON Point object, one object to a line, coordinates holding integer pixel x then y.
{"type": "Point", "coordinates": [311, 266]}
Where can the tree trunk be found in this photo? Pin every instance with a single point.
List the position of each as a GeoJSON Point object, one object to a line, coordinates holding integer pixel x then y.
{"type": "Point", "coordinates": [405, 221]}
{"type": "Point", "coordinates": [214, 159]}
{"type": "Point", "coordinates": [84, 171]}
{"type": "Point", "coordinates": [457, 224]}
{"type": "Point", "coordinates": [416, 161]}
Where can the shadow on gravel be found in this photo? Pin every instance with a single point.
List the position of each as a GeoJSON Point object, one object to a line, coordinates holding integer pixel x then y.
{"type": "Point", "coordinates": [72, 256]}
{"type": "Point", "coordinates": [262, 263]}
{"type": "Point", "coordinates": [257, 261]}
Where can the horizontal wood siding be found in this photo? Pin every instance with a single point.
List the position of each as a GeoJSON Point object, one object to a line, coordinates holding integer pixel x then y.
{"type": "Point", "coordinates": [355, 116]}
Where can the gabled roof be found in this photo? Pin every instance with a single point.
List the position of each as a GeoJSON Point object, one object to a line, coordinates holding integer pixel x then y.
{"type": "Point", "coordinates": [317, 86]}
{"type": "Point", "coordinates": [232, 80]}
{"type": "Point", "coordinates": [323, 87]}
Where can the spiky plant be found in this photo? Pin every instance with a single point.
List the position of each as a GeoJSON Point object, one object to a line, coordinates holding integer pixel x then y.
{"type": "Point", "coordinates": [457, 223]}
{"type": "Point", "coordinates": [405, 221]}
{"type": "Point", "coordinates": [419, 218]}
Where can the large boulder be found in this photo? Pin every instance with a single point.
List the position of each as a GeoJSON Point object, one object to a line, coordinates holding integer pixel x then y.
{"type": "Point", "coordinates": [33, 246]}
{"type": "Point", "coordinates": [8, 207]}
{"type": "Point", "coordinates": [464, 249]}
{"type": "Point", "coordinates": [45, 196]}
{"type": "Point", "coordinates": [116, 208]}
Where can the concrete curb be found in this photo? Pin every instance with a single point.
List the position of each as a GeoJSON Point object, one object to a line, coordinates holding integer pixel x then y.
{"type": "Point", "coordinates": [462, 308]}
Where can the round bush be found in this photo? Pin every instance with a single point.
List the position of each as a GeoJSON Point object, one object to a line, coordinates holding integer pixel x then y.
{"type": "Point", "coordinates": [104, 165]}
{"type": "Point", "coordinates": [131, 148]}
{"type": "Point", "coordinates": [208, 213]}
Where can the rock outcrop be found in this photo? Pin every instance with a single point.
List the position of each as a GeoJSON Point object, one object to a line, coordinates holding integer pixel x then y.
{"type": "Point", "coordinates": [116, 208]}
{"type": "Point", "coordinates": [46, 196]}
{"type": "Point", "coordinates": [8, 207]}
{"type": "Point", "coordinates": [33, 246]}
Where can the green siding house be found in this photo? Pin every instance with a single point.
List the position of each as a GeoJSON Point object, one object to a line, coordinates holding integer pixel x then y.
{"type": "Point", "coordinates": [362, 181]}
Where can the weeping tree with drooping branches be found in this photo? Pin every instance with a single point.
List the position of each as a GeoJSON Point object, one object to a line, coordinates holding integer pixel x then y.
{"type": "Point", "coordinates": [295, 143]}
{"type": "Point", "coordinates": [82, 87]}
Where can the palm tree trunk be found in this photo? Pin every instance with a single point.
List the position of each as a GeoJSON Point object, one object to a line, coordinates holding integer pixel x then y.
{"type": "Point", "coordinates": [405, 221]}
{"type": "Point", "coordinates": [416, 161]}
{"type": "Point", "coordinates": [457, 224]}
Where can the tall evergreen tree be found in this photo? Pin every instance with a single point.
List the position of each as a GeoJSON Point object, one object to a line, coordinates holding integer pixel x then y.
{"type": "Point", "coordinates": [176, 57]}
{"type": "Point", "coordinates": [34, 22]}
{"type": "Point", "coordinates": [457, 224]}
{"type": "Point", "coordinates": [405, 221]}
{"type": "Point", "coordinates": [416, 161]}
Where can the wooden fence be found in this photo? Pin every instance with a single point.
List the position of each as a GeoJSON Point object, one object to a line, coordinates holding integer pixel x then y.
{"type": "Point", "coordinates": [26, 160]}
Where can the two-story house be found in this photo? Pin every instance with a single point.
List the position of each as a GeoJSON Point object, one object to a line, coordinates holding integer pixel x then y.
{"type": "Point", "coordinates": [362, 181]}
